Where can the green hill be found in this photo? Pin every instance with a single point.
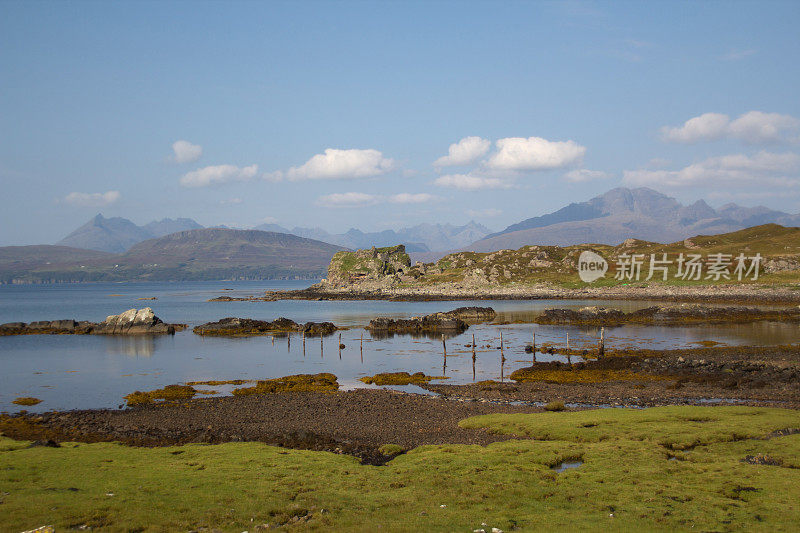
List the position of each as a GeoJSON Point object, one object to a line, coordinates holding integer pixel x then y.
{"type": "Point", "coordinates": [778, 246]}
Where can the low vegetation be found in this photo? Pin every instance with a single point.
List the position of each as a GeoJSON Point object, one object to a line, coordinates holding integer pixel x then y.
{"type": "Point", "coordinates": [168, 393]}
{"type": "Point", "coordinates": [27, 400]}
{"type": "Point", "coordinates": [399, 378]}
{"type": "Point", "coordinates": [660, 469]}
{"type": "Point", "coordinates": [323, 382]}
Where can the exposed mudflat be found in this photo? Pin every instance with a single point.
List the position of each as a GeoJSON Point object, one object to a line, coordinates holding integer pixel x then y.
{"type": "Point", "coordinates": [356, 422]}
{"type": "Point", "coordinates": [751, 375]}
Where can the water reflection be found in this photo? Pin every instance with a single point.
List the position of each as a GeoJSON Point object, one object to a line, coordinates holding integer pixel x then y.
{"type": "Point", "coordinates": [132, 346]}
{"type": "Point", "coordinates": [433, 335]}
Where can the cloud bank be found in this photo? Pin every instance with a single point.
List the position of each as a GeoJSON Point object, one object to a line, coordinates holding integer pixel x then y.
{"type": "Point", "coordinates": [96, 199]}
{"type": "Point", "coordinates": [580, 175]}
{"type": "Point", "coordinates": [764, 168]}
{"type": "Point", "coordinates": [214, 175]}
{"type": "Point", "coordinates": [471, 182]}
{"type": "Point", "coordinates": [361, 199]}
{"type": "Point", "coordinates": [752, 127]}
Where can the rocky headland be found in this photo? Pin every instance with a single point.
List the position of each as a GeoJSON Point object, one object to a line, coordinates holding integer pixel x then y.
{"type": "Point", "coordinates": [549, 272]}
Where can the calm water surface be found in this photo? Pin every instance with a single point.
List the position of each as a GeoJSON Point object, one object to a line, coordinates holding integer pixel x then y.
{"type": "Point", "coordinates": [73, 371]}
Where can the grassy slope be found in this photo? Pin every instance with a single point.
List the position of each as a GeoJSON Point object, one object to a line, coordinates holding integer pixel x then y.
{"type": "Point", "coordinates": [770, 240]}
{"type": "Point", "coordinates": [626, 474]}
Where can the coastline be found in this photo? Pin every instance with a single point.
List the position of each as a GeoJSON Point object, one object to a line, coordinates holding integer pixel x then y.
{"type": "Point", "coordinates": [751, 293]}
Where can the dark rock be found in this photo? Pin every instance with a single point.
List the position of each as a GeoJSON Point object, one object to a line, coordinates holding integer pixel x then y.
{"type": "Point", "coordinates": [246, 326]}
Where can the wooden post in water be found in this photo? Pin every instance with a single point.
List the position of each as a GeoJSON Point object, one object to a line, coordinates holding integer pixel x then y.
{"type": "Point", "coordinates": [288, 342]}
{"type": "Point", "coordinates": [601, 352]}
{"type": "Point", "coordinates": [340, 345]}
{"type": "Point", "coordinates": [533, 350]}
{"type": "Point", "coordinates": [444, 357]}
{"type": "Point", "coordinates": [304, 343]}
{"type": "Point", "coordinates": [473, 357]}
{"type": "Point", "coordinates": [362, 347]}
{"type": "Point", "coordinates": [502, 353]}
{"type": "Point", "coordinates": [273, 340]}
{"type": "Point", "coordinates": [321, 349]}
{"type": "Point", "coordinates": [569, 357]}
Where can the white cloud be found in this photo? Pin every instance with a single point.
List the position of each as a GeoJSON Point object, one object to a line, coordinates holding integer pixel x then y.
{"type": "Point", "coordinates": [231, 201]}
{"type": "Point", "coordinates": [751, 127]}
{"type": "Point", "coordinates": [186, 152]}
{"type": "Point", "coordinates": [534, 153]}
{"type": "Point", "coordinates": [484, 213]}
{"type": "Point", "coordinates": [269, 220]}
{"type": "Point", "coordinates": [342, 164]}
{"type": "Point", "coordinates": [470, 182]}
{"type": "Point", "coordinates": [96, 199]}
{"type": "Point", "coordinates": [212, 175]}
{"type": "Point", "coordinates": [756, 126]}
{"type": "Point", "coordinates": [409, 198]}
{"type": "Point", "coordinates": [706, 127]}
{"type": "Point", "coordinates": [466, 151]}
{"type": "Point", "coordinates": [764, 168]}
{"type": "Point", "coordinates": [348, 199]}
{"type": "Point", "coordinates": [580, 175]}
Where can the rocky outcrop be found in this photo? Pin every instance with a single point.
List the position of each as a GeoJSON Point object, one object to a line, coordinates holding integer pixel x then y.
{"type": "Point", "coordinates": [241, 327]}
{"type": "Point", "coordinates": [433, 323]}
{"type": "Point", "coordinates": [667, 315]}
{"type": "Point", "coordinates": [376, 266]}
{"type": "Point", "coordinates": [471, 314]}
{"type": "Point", "coordinates": [131, 322]}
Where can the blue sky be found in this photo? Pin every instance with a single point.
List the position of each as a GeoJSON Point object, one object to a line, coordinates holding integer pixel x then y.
{"type": "Point", "coordinates": [342, 114]}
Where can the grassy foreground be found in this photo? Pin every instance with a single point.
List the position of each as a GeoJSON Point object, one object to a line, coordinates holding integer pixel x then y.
{"type": "Point", "coordinates": [628, 480]}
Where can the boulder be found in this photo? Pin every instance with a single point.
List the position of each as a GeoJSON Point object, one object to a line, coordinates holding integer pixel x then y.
{"type": "Point", "coordinates": [133, 322]}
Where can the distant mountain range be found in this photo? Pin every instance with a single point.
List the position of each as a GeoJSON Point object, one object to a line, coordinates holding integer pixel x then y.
{"type": "Point", "coordinates": [624, 213]}
{"type": "Point", "coordinates": [111, 249]}
{"type": "Point", "coordinates": [118, 234]}
{"type": "Point", "coordinates": [201, 254]}
{"type": "Point", "coordinates": [420, 238]}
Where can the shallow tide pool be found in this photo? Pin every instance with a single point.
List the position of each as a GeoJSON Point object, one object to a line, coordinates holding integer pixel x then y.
{"type": "Point", "coordinates": [71, 371]}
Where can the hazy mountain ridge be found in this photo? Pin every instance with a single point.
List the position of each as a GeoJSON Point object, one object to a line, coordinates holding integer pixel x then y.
{"type": "Point", "coordinates": [201, 254]}
{"type": "Point", "coordinates": [117, 234]}
{"type": "Point", "coordinates": [419, 238]}
{"type": "Point", "coordinates": [623, 213]}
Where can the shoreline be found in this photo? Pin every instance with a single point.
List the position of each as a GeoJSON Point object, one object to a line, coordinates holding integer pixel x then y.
{"type": "Point", "coordinates": [710, 293]}
{"type": "Point", "coordinates": [360, 421]}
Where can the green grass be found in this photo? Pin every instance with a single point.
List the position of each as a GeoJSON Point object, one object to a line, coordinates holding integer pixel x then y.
{"type": "Point", "coordinates": [626, 481]}
{"type": "Point", "coordinates": [770, 240]}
